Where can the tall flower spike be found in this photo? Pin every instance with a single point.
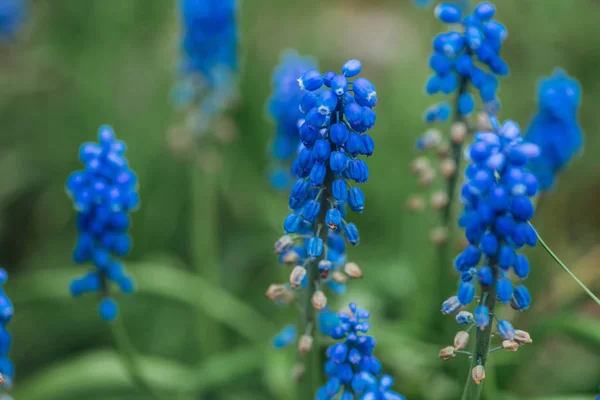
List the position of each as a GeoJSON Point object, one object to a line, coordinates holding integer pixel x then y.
{"type": "Point", "coordinates": [208, 68]}
{"type": "Point", "coordinates": [12, 15]}
{"type": "Point", "coordinates": [353, 371]}
{"type": "Point", "coordinates": [284, 109]}
{"type": "Point", "coordinates": [7, 371]}
{"type": "Point", "coordinates": [554, 127]}
{"type": "Point", "coordinates": [103, 194]}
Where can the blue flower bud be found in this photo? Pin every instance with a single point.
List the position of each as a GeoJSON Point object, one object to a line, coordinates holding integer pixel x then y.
{"type": "Point", "coordinates": [311, 209]}
{"type": "Point", "coordinates": [467, 276]}
{"type": "Point", "coordinates": [368, 145]}
{"type": "Point", "coordinates": [339, 190]}
{"type": "Point", "coordinates": [485, 276]}
{"type": "Point", "coordinates": [449, 83]}
{"type": "Point", "coordinates": [466, 292]}
{"type": "Point", "coordinates": [464, 65]}
{"type": "Point", "coordinates": [506, 257]}
{"type": "Point", "coordinates": [358, 171]}
{"type": "Point", "coordinates": [469, 258]}
{"type": "Point", "coordinates": [466, 104]}
{"type": "Point", "coordinates": [354, 144]}
{"type": "Point", "coordinates": [308, 101]}
{"type": "Point", "coordinates": [521, 299]}
{"type": "Point", "coordinates": [499, 198]}
{"type": "Point", "coordinates": [308, 135]}
{"type": "Point", "coordinates": [353, 113]}
{"type": "Point", "coordinates": [327, 102]}
{"type": "Point", "coordinates": [292, 223]}
{"type": "Point", "coordinates": [329, 75]}
{"type": "Point", "coordinates": [338, 162]}
{"type": "Point", "coordinates": [484, 11]}
{"type": "Point", "coordinates": [351, 68]}
{"type": "Point", "coordinates": [315, 247]}
{"type": "Point", "coordinates": [474, 37]}
{"type": "Point", "coordinates": [285, 337]}
{"type": "Point", "coordinates": [339, 85]}
{"type": "Point", "coordinates": [521, 266]}
{"type": "Point", "coordinates": [298, 193]}
{"type": "Point", "coordinates": [506, 330]}
{"type": "Point", "coordinates": [489, 244]}
{"type": "Point", "coordinates": [338, 134]}
{"type": "Point", "coordinates": [108, 309]}
{"type": "Point", "coordinates": [317, 174]}
{"type": "Point", "coordinates": [451, 305]}
{"type": "Point", "coordinates": [310, 80]}
{"type": "Point", "coordinates": [441, 63]}
{"type": "Point", "coordinates": [364, 92]}
{"type": "Point", "coordinates": [351, 234]}
{"type": "Point", "coordinates": [504, 290]}
{"type": "Point", "coordinates": [482, 317]}
{"type": "Point", "coordinates": [522, 208]}
{"type": "Point", "coordinates": [494, 30]}
{"type": "Point", "coordinates": [321, 150]}
{"type": "Point", "coordinates": [333, 219]}
{"type": "Point", "coordinates": [314, 118]}
{"type": "Point", "coordinates": [448, 13]}
{"type": "Point", "coordinates": [433, 85]}
{"type": "Point", "coordinates": [306, 160]}
{"type": "Point", "coordinates": [356, 199]}
{"type": "Point", "coordinates": [369, 118]}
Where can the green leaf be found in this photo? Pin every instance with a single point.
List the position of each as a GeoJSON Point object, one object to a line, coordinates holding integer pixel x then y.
{"type": "Point", "coordinates": [581, 328]}
{"type": "Point", "coordinates": [160, 278]}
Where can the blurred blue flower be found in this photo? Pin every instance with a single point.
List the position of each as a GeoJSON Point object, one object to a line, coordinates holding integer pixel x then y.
{"type": "Point", "coordinates": [283, 108]}
{"type": "Point", "coordinates": [352, 369]}
{"type": "Point", "coordinates": [103, 193]}
{"type": "Point", "coordinates": [554, 127]}
{"type": "Point", "coordinates": [469, 55]}
{"type": "Point", "coordinates": [497, 208]}
{"type": "Point", "coordinates": [209, 59]}
{"type": "Point", "coordinates": [285, 337]}
{"type": "Point", "coordinates": [12, 15]}
{"type": "Point", "coordinates": [7, 369]}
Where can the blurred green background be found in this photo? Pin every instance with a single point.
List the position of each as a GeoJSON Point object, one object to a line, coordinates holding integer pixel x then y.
{"type": "Point", "coordinates": [78, 64]}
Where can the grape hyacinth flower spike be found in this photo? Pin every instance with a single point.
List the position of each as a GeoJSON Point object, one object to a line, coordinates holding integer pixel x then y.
{"type": "Point", "coordinates": [12, 15]}
{"type": "Point", "coordinates": [104, 193]}
{"type": "Point", "coordinates": [497, 209]}
{"type": "Point", "coordinates": [554, 127]}
{"type": "Point", "coordinates": [7, 370]}
{"type": "Point", "coordinates": [283, 108]}
{"type": "Point", "coordinates": [337, 112]}
{"type": "Point", "coordinates": [352, 370]}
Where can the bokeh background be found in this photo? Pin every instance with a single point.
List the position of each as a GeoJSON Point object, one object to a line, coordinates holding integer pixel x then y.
{"type": "Point", "coordinates": [203, 240]}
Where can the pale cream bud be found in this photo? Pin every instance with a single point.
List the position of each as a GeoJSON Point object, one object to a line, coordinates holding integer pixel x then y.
{"type": "Point", "coordinates": [304, 344]}
{"type": "Point", "coordinates": [283, 243]}
{"type": "Point", "coordinates": [447, 167]}
{"type": "Point", "coordinates": [458, 132]}
{"type": "Point", "coordinates": [442, 150]}
{"type": "Point", "coordinates": [290, 258]}
{"type": "Point", "coordinates": [447, 353]}
{"type": "Point", "coordinates": [352, 270]}
{"type": "Point", "coordinates": [483, 122]}
{"type": "Point", "coordinates": [298, 273]}
{"type": "Point", "coordinates": [522, 337]}
{"type": "Point", "coordinates": [426, 177]}
{"type": "Point", "coordinates": [280, 293]}
{"type": "Point", "coordinates": [461, 340]}
{"type": "Point", "coordinates": [298, 372]}
{"type": "Point", "coordinates": [478, 374]}
{"type": "Point", "coordinates": [510, 345]}
{"type": "Point", "coordinates": [439, 200]}
{"type": "Point", "coordinates": [319, 300]}
{"type": "Point", "coordinates": [419, 165]}
{"type": "Point", "coordinates": [432, 138]}
{"type": "Point", "coordinates": [439, 235]}
{"type": "Point", "coordinates": [415, 204]}
{"type": "Point", "coordinates": [339, 277]}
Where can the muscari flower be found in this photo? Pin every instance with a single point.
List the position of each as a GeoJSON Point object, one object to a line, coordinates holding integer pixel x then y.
{"type": "Point", "coordinates": [497, 208]}
{"type": "Point", "coordinates": [283, 107]}
{"type": "Point", "coordinates": [7, 370]}
{"type": "Point", "coordinates": [470, 54]}
{"type": "Point", "coordinates": [353, 371]}
{"type": "Point", "coordinates": [12, 15]}
{"type": "Point", "coordinates": [209, 59]}
{"type": "Point", "coordinates": [103, 194]}
{"type": "Point", "coordinates": [554, 127]}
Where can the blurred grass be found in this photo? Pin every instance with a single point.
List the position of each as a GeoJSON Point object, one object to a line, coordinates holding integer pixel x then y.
{"type": "Point", "coordinates": [82, 64]}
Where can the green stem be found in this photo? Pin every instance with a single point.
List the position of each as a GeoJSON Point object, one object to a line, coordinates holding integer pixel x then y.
{"type": "Point", "coordinates": [559, 262]}
{"type": "Point", "coordinates": [129, 357]}
{"type": "Point", "coordinates": [472, 391]}
{"type": "Point", "coordinates": [203, 247]}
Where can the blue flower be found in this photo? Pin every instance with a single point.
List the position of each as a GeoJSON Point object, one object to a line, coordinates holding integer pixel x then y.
{"type": "Point", "coordinates": [285, 337]}
{"type": "Point", "coordinates": [209, 59]}
{"type": "Point", "coordinates": [554, 127]}
{"type": "Point", "coordinates": [352, 369]}
{"type": "Point", "coordinates": [497, 209]}
{"type": "Point", "coordinates": [103, 193]}
{"type": "Point", "coordinates": [283, 105]}
{"type": "Point", "coordinates": [12, 15]}
{"type": "Point", "coordinates": [7, 369]}
{"type": "Point", "coordinates": [471, 55]}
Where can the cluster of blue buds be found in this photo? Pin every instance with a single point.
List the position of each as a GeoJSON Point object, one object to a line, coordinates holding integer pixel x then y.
{"type": "Point", "coordinates": [555, 128]}
{"type": "Point", "coordinates": [283, 107]}
{"type": "Point", "coordinates": [7, 370]}
{"type": "Point", "coordinates": [103, 193]}
{"type": "Point", "coordinates": [210, 61]}
{"type": "Point", "coordinates": [12, 15]}
{"type": "Point", "coordinates": [497, 210]}
{"type": "Point", "coordinates": [456, 55]}
{"type": "Point", "coordinates": [353, 371]}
